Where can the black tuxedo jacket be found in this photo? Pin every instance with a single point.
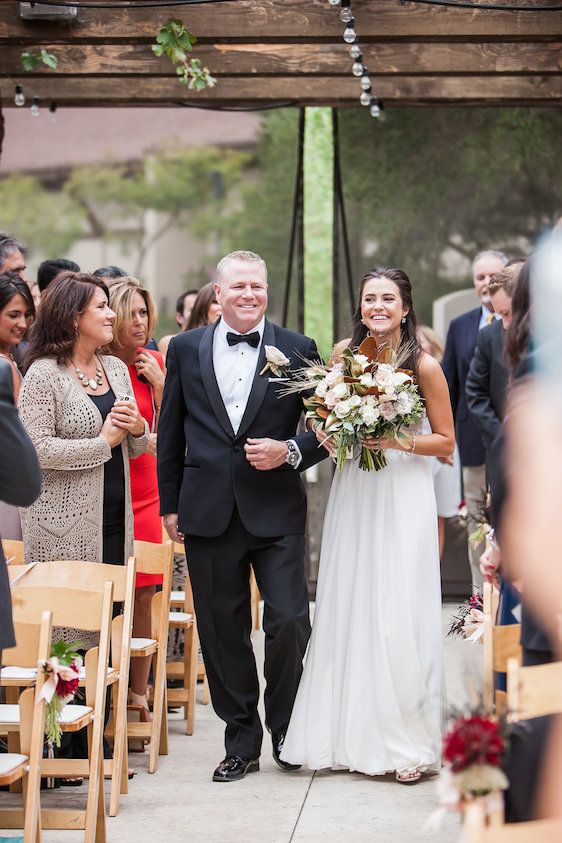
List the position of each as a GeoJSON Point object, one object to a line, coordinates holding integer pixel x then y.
{"type": "Point", "coordinates": [459, 351]}
{"type": "Point", "coordinates": [20, 482]}
{"type": "Point", "coordinates": [202, 467]}
{"type": "Point", "coordinates": [486, 383]}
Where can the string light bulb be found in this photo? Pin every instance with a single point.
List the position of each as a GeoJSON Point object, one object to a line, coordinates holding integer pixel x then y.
{"type": "Point", "coordinates": [357, 68]}
{"type": "Point", "coordinates": [19, 96]}
{"type": "Point", "coordinates": [355, 51]}
{"type": "Point", "coordinates": [346, 15]}
{"type": "Point", "coordinates": [365, 98]}
{"type": "Point", "coordinates": [377, 109]}
{"type": "Point", "coordinates": [35, 107]}
{"type": "Point", "coordinates": [53, 112]}
{"type": "Point", "coordinates": [334, 2]}
{"type": "Point", "coordinates": [365, 81]}
{"type": "Point", "coordinates": [349, 35]}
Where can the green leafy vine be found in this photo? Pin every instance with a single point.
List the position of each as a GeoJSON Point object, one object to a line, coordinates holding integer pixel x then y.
{"type": "Point", "coordinates": [176, 41]}
{"type": "Point", "coordinates": [30, 61]}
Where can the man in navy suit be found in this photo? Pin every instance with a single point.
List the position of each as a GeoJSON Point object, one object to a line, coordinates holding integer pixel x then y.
{"type": "Point", "coordinates": [229, 463]}
{"type": "Point", "coordinates": [459, 351]}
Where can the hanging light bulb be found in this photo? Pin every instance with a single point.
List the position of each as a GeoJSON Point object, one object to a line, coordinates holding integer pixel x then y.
{"type": "Point", "coordinates": [349, 35]}
{"type": "Point", "coordinates": [377, 109]}
{"type": "Point", "coordinates": [346, 15]}
{"type": "Point", "coordinates": [365, 81]}
{"type": "Point", "coordinates": [35, 107]}
{"type": "Point", "coordinates": [53, 112]}
{"type": "Point", "coordinates": [355, 51]}
{"type": "Point", "coordinates": [357, 68]}
{"type": "Point", "coordinates": [334, 2]}
{"type": "Point", "coordinates": [19, 96]}
{"type": "Point", "coordinates": [365, 98]}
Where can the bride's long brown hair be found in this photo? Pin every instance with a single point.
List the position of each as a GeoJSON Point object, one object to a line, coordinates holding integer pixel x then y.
{"type": "Point", "coordinates": [408, 329]}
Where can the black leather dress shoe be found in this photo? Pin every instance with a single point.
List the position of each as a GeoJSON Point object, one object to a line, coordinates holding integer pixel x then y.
{"type": "Point", "coordinates": [235, 767]}
{"type": "Point", "coordinates": [278, 739]}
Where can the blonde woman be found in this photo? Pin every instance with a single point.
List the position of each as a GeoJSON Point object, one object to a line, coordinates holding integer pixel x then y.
{"type": "Point", "coordinates": [135, 317]}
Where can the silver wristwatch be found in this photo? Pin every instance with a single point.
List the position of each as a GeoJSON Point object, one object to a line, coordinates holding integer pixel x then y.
{"type": "Point", "coordinates": [292, 457]}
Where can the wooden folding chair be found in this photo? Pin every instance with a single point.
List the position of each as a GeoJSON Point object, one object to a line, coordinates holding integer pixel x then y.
{"type": "Point", "coordinates": [89, 611]}
{"type": "Point", "coordinates": [500, 643]}
{"type": "Point", "coordinates": [90, 576]}
{"type": "Point", "coordinates": [537, 831]}
{"type": "Point", "coordinates": [533, 691]}
{"type": "Point", "coordinates": [183, 618]}
{"type": "Point", "coordinates": [33, 646]}
{"type": "Point", "coordinates": [13, 551]}
{"type": "Point", "coordinates": [154, 558]}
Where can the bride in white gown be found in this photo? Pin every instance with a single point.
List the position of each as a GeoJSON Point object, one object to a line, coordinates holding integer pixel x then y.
{"type": "Point", "coordinates": [370, 698]}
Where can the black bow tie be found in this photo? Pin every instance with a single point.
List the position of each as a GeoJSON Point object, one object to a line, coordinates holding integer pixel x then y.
{"type": "Point", "coordinates": [252, 339]}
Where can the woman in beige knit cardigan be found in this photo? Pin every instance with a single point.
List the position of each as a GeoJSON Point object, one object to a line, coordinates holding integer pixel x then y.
{"type": "Point", "coordinates": [78, 408]}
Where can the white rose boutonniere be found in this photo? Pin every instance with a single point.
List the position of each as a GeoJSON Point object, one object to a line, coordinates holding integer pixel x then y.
{"type": "Point", "coordinates": [276, 361]}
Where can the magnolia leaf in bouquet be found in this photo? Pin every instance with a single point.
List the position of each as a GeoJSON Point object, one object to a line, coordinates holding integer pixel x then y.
{"type": "Point", "coordinates": [354, 379]}
{"type": "Point", "coordinates": [369, 347]}
{"type": "Point", "coordinates": [331, 421]}
{"type": "Point", "coordinates": [323, 412]}
{"type": "Point", "coordinates": [387, 355]}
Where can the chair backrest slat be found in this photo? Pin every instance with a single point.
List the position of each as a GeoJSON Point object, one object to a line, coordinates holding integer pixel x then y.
{"type": "Point", "coordinates": [75, 608]}
{"type": "Point", "coordinates": [13, 551]}
{"type": "Point", "coordinates": [75, 574]}
{"type": "Point", "coordinates": [533, 691]}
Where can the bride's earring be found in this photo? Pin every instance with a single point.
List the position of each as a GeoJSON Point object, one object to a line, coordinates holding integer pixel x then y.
{"type": "Point", "coordinates": [403, 319]}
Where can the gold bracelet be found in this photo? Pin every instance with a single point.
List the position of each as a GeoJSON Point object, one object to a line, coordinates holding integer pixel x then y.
{"type": "Point", "coordinates": [412, 448]}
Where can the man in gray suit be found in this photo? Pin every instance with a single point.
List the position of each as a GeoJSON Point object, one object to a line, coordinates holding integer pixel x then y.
{"type": "Point", "coordinates": [20, 483]}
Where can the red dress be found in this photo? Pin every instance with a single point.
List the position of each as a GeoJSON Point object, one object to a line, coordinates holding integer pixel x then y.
{"type": "Point", "coordinates": [144, 482]}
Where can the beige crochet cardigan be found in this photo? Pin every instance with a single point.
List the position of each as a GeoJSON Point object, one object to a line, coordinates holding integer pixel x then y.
{"type": "Point", "coordinates": [66, 521]}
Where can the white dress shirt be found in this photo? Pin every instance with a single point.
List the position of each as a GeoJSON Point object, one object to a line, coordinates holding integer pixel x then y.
{"type": "Point", "coordinates": [485, 317]}
{"type": "Point", "coordinates": [235, 366]}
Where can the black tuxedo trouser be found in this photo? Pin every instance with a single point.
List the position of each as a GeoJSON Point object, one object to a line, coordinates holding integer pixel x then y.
{"type": "Point", "coordinates": [219, 569]}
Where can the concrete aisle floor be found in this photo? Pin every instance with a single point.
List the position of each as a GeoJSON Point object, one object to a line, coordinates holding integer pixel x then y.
{"type": "Point", "coordinates": [181, 803]}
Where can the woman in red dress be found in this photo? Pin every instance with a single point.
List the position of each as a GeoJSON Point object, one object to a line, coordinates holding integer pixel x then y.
{"type": "Point", "coordinates": [134, 322]}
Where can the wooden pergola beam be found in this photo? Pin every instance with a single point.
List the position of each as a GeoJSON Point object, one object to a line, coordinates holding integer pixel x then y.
{"type": "Point", "coordinates": [301, 59]}
{"type": "Point", "coordinates": [304, 90]}
{"type": "Point", "coordinates": [274, 21]}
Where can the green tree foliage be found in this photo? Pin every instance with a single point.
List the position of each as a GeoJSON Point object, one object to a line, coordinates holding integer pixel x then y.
{"type": "Point", "coordinates": [434, 182]}
{"type": "Point", "coordinates": [187, 189]}
{"type": "Point", "coordinates": [49, 221]}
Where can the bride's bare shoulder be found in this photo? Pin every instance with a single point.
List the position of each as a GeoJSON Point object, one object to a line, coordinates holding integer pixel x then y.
{"type": "Point", "coordinates": [338, 350]}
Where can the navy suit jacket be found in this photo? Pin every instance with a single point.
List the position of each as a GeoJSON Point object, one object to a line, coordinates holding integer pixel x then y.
{"type": "Point", "coordinates": [203, 472]}
{"type": "Point", "coordinates": [459, 351]}
{"type": "Point", "coordinates": [486, 384]}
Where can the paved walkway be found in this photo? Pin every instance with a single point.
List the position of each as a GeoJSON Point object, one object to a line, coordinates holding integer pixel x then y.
{"type": "Point", "coordinates": [181, 803]}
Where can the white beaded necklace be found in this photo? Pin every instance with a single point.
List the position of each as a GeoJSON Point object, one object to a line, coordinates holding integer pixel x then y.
{"type": "Point", "coordinates": [93, 383]}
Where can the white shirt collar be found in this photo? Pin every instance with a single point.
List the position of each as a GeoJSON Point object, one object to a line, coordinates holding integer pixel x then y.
{"type": "Point", "coordinates": [223, 327]}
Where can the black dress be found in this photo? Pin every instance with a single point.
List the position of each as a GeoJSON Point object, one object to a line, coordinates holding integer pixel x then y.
{"type": "Point", "coordinates": [113, 493]}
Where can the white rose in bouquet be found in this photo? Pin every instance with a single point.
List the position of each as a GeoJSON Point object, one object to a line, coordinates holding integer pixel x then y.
{"type": "Point", "coordinates": [331, 399]}
{"type": "Point", "coordinates": [341, 390]}
{"type": "Point", "coordinates": [388, 410]}
{"type": "Point", "coordinates": [369, 414]}
{"type": "Point", "coordinates": [384, 375]}
{"type": "Point", "coordinates": [342, 409]}
{"type": "Point", "coordinates": [322, 388]}
{"type": "Point", "coordinates": [363, 360]}
{"type": "Point", "coordinates": [335, 375]}
{"type": "Point", "coordinates": [354, 402]}
{"type": "Point", "coordinates": [367, 380]}
{"type": "Point", "coordinates": [400, 378]}
{"type": "Point", "coordinates": [404, 404]}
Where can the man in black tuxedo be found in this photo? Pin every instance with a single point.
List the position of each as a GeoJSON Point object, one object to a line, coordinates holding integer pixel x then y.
{"type": "Point", "coordinates": [459, 351]}
{"type": "Point", "coordinates": [486, 383]}
{"type": "Point", "coordinates": [229, 463]}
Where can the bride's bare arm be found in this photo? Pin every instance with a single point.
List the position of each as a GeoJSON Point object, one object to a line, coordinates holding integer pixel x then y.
{"type": "Point", "coordinates": [441, 441]}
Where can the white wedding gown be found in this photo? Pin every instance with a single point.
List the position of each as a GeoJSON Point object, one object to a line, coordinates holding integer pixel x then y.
{"type": "Point", "coordinates": [371, 695]}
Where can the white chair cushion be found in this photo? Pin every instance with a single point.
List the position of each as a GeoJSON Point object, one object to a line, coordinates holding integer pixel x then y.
{"type": "Point", "coordinates": [82, 672]}
{"type": "Point", "coordinates": [9, 761]}
{"type": "Point", "coordinates": [10, 714]}
{"type": "Point", "coordinates": [177, 596]}
{"type": "Point", "coordinates": [24, 673]}
{"type": "Point", "coordinates": [141, 643]}
{"type": "Point", "coordinates": [180, 616]}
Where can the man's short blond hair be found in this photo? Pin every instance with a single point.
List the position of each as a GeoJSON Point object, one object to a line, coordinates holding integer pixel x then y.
{"type": "Point", "coordinates": [221, 274]}
{"type": "Point", "coordinates": [505, 279]}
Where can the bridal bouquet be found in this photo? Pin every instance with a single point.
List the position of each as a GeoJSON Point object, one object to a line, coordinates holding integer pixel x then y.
{"type": "Point", "coordinates": [366, 394]}
{"type": "Point", "coordinates": [63, 675]}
